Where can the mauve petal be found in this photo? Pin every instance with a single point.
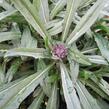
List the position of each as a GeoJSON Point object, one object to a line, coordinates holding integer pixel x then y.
{"type": "Point", "coordinates": [60, 51]}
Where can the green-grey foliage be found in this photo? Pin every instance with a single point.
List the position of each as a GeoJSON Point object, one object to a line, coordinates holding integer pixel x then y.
{"type": "Point", "coordinates": [52, 52]}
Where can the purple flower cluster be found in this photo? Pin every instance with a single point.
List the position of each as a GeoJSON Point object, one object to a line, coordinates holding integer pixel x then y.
{"type": "Point", "coordinates": [60, 51]}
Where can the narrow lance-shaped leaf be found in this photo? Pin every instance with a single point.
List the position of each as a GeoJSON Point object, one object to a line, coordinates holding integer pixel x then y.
{"type": "Point", "coordinates": [36, 53]}
{"type": "Point", "coordinates": [52, 102]}
{"type": "Point", "coordinates": [16, 43]}
{"type": "Point", "coordinates": [5, 36]}
{"type": "Point", "coordinates": [5, 4]}
{"type": "Point", "coordinates": [31, 15]}
{"type": "Point", "coordinates": [103, 45]}
{"type": "Point", "coordinates": [77, 56]}
{"type": "Point", "coordinates": [44, 83]}
{"type": "Point", "coordinates": [51, 23]}
{"type": "Point", "coordinates": [7, 13]}
{"type": "Point", "coordinates": [85, 3]}
{"type": "Point", "coordinates": [59, 6]}
{"type": "Point", "coordinates": [13, 69]}
{"type": "Point", "coordinates": [43, 9]}
{"type": "Point", "coordinates": [27, 41]}
{"type": "Point", "coordinates": [87, 101]}
{"type": "Point", "coordinates": [14, 93]}
{"type": "Point", "coordinates": [72, 6]}
{"type": "Point", "coordinates": [97, 59]}
{"type": "Point", "coordinates": [103, 85]}
{"type": "Point", "coordinates": [86, 21]}
{"type": "Point", "coordinates": [74, 70]}
{"type": "Point", "coordinates": [2, 75]}
{"type": "Point", "coordinates": [37, 101]}
{"type": "Point", "coordinates": [56, 29]}
{"type": "Point", "coordinates": [95, 87]}
{"type": "Point", "coordinates": [70, 95]}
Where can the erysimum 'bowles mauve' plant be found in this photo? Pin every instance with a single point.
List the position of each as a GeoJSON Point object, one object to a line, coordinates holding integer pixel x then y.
{"type": "Point", "coordinates": [51, 52]}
